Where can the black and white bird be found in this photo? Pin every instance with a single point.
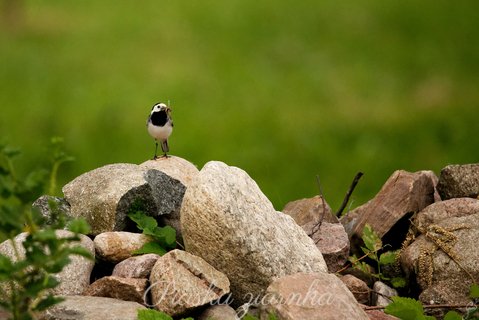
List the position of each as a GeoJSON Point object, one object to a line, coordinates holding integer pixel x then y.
{"type": "Point", "coordinates": [160, 126]}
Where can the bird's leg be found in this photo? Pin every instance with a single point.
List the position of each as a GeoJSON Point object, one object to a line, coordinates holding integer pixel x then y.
{"type": "Point", "coordinates": [156, 150]}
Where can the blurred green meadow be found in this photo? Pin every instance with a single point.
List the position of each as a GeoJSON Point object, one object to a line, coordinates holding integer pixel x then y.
{"type": "Point", "coordinates": [285, 90]}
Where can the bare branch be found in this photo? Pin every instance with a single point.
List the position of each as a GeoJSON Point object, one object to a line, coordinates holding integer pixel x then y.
{"type": "Point", "coordinates": [348, 194]}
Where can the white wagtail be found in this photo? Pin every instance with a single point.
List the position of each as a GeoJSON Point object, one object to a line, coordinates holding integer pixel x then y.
{"type": "Point", "coordinates": [160, 126]}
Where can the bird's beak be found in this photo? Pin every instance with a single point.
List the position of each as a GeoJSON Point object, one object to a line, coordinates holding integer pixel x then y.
{"type": "Point", "coordinates": [168, 110]}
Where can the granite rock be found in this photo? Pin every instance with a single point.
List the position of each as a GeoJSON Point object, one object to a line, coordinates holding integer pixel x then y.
{"type": "Point", "coordinates": [230, 223]}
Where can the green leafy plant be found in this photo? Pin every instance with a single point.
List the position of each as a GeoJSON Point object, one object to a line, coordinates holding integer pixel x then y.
{"type": "Point", "coordinates": [27, 278]}
{"type": "Point", "coordinates": [372, 246]}
{"type": "Point", "coordinates": [150, 314]}
{"type": "Point", "coordinates": [411, 309]}
{"type": "Point", "coordinates": [407, 309]}
{"type": "Point", "coordinates": [164, 238]}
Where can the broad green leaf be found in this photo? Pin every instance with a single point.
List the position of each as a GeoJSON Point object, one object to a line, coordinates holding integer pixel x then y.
{"type": "Point", "coordinates": [474, 291]}
{"type": "Point", "coordinates": [452, 315]}
{"type": "Point", "coordinates": [169, 234]}
{"type": "Point", "coordinates": [406, 309]}
{"type": "Point", "coordinates": [143, 221]}
{"type": "Point", "coordinates": [371, 238]}
{"type": "Point", "coordinates": [388, 257]}
{"type": "Point", "coordinates": [151, 247]}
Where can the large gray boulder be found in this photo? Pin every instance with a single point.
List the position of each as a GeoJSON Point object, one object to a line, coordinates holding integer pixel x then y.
{"type": "Point", "coordinates": [230, 223]}
{"type": "Point", "coordinates": [104, 196]}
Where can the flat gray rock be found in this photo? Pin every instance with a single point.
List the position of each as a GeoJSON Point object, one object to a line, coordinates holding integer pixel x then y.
{"type": "Point", "coordinates": [230, 223]}
{"type": "Point", "coordinates": [93, 308]}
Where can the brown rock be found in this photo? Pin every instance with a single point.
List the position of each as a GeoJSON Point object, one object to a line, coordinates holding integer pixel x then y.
{"type": "Point", "coordinates": [358, 288]}
{"type": "Point", "coordinates": [311, 296]}
{"type": "Point", "coordinates": [92, 308]}
{"type": "Point", "coordinates": [333, 242]}
{"type": "Point", "coordinates": [446, 282]}
{"type": "Point", "coordinates": [402, 194]}
{"type": "Point", "coordinates": [118, 245]}
{"type": "Point", "coordinates": [136, 267]}
{"type": "Point", "coordinates": [181, 282]}
{"type": "Point", "coordinates": [127, 289]}
{"type": "Point", "coordinates": [305, 211]}
{"type": "Point", "coordinates": [458, 181]}
{"type": "Point", "coordinates": [219, 312]}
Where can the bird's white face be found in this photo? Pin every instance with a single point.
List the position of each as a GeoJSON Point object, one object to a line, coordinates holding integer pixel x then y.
{"type": "Point", "coordinates": [160, 107]}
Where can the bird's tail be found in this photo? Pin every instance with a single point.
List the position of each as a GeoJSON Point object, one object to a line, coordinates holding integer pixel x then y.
{"type": "Point", "coordinates": [164, 146]}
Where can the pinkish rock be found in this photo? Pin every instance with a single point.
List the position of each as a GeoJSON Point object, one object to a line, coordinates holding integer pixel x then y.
{"type": "Point", "coordinates": [333, 242]}
{"type": "Point", "coordinates": [181, 282]}
{"type": "Point", "coordinates": [118, 245]}
{"type": "Point", "coordinates": [358, 288]}
{"type": "Point", "coordinates": [403, 193]}
{"type": "Point", "coordinates": [305, 211]}
{"type": "Point", "coordinates": [127, 289]}
{"type": "Point", "coordinates": [136, 267]}
{"type": "Point", "coordinates": [311, 296]}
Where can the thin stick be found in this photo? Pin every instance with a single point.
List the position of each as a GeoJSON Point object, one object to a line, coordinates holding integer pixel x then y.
{"type": "Point", "coordinates": [318, 225]}
{"type": "Point", "coordinates": [348, 194]}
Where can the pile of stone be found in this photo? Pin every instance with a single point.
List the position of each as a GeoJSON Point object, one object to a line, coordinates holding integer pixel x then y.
{"type": "Point", "coordinates": [236, 254]}
{"type": "Point", "coordinates": [436, 223]}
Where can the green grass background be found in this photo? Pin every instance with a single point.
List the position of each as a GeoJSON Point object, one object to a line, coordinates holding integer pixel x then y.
{"type": "Point", "coordinates": [285, 90]}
